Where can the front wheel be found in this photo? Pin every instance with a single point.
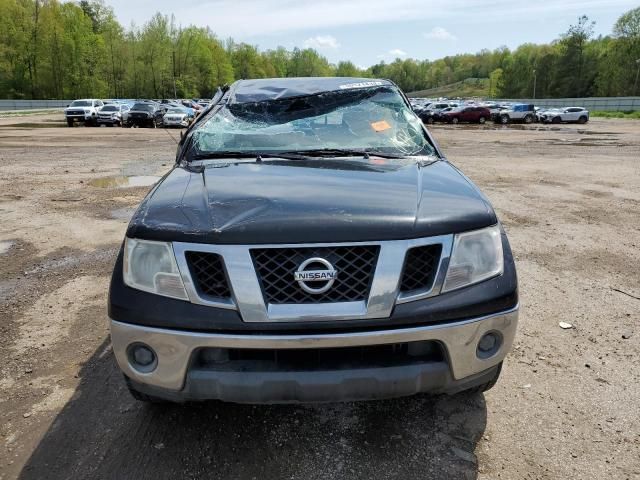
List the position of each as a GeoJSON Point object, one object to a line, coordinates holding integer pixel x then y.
{"type": "Point", "coordinates": [504, 119]}
{"type": "Point", "coordinates": [482, 120]}
{"type": "Point", "coordinates": [582, 120]}
{"type": "Point", "coordinates": [430, 120]}
{"type": "Point", "coordinates": [69, 123]}
{"type": "Point", "coordinates": [455, 120]}
{"type": "Point", "coordinates": [528, 119]}
{"type": "Point", "coordinates": [556, 120]}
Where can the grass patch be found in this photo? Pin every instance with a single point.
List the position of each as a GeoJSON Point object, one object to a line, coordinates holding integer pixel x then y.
{"type": "Point", "coordinates": [471, 87]}
{"type": "Point", "coordinates": [625, 114]}
{"type": "Point", "coordinates": [22, 113]}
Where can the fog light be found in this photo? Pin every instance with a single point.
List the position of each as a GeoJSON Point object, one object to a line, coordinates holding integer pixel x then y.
{"type": "Point", "coordinates": [142, 357]}
{"type": "Point", "coordinates": [489, 344]}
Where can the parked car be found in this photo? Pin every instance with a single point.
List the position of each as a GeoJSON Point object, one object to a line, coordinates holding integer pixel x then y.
{"type": "Point", "coordinates": [287, 258]}
{"type": "Point", "coordinates": [426, 115]}
{"type": "Point", "coordinates": [111, 114]}
{"type": "Point", "coordinates": [146, 114]}
{"type": "Point", "coordinates": [193, 105]}
{"type": "Point", "coordinates": [467, 114]}
{"type": "Point", "coordinates": [519, 112]}
{"type": "Point", "coordinates": [191, 113]}
{"type": "Point", "coordinates": [437, 106]}
{"type": "Point", "coordinates": [566, 115]}
{"type": "Point", "coordinates": [177, 117]}
{"type": "Point", "coordinates": [83, 110]}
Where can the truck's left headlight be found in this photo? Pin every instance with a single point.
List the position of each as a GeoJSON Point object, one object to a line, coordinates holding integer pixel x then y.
{"type": "Point", "coordinates": [151, 266]}
{"type": "Point", "coordinates": [476, 256]}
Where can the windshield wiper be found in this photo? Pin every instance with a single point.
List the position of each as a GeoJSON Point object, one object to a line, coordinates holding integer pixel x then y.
{"type": "Point", "coordinates": [321, 152]}
{"type": "Point", "coordinates": [258, 156]}
{"type": "Point", "coordinates": [296, 154]}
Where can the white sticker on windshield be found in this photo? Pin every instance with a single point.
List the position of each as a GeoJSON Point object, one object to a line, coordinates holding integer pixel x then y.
{"type": "Point", "coordinates": [360, 85]}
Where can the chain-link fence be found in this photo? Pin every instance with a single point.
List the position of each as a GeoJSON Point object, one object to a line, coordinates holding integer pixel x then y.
{"type": "Point", "coordinates": [611, 104]}
{"type": "Point", "coordinates": [32, 104]}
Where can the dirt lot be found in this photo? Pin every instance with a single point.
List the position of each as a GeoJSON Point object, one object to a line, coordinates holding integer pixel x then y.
{"type": "Point", "coordinates": [567, 405]}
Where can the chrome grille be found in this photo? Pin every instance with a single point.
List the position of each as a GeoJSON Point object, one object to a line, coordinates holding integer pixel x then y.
{"type": "Point", "coordinates": [420, 266]}
{"type": "Point", "coordinates": [207, 271]}
{"type": "Point", "coordinates": [275, 268]}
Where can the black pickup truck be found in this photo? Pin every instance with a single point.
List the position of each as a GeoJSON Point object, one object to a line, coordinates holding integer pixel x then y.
{"type": "Point", "coordinates": [145, 114]}
{"type": "Point", "coordinates": [311, 243]}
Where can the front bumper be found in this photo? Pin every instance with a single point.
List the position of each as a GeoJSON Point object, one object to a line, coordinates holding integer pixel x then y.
{"type": "Point", "coordinates": [109, 121]}
{"type": "Point", "coordinates": [175, 123]}
{"type": "Point", "coordinates": [177, 378]}
{"type": "Point", "coordinates": [79, 118]}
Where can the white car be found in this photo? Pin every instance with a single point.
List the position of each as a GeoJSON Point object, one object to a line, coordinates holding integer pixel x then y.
{"type": "Point", "coordinates": [566, 115]}
{"type": "Point", "coordinates": [83, 110]}
{"type": "Point", "coordinates": [175, 117]}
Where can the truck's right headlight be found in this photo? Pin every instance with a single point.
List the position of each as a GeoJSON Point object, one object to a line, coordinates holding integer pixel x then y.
{"type": "Point", "coordinates": [476, 256]}
{"type": "Point", "coordinates": [151, 266]}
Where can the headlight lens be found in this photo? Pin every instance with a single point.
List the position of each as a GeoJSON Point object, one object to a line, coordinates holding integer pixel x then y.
{"type": "Point", "coordinates": [151, 267]}
{"type": "Point", "coordinates": [476, 256]}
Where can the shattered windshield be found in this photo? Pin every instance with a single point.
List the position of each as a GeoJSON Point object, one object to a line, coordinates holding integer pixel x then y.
{"type": "Point", "coordinates": [368, 119]}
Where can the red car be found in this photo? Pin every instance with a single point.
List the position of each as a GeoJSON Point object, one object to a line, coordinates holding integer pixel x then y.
{"type": "Point", "coordinates": [467, 114]}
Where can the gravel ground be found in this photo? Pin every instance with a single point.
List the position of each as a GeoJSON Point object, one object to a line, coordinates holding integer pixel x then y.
{"type": "Point", "coordinates": [566, 406]}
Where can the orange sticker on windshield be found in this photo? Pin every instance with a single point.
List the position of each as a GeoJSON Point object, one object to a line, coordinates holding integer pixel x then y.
{"type": "Point", "coordinates": [380, 126]}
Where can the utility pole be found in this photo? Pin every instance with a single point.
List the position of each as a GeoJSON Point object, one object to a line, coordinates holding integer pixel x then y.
{"type": "Point", "coordinates": [635, 84]}
{"type": "Point", "coordinates": [535, 78]}
{"type": "Point", "coordinates": [175, 94]}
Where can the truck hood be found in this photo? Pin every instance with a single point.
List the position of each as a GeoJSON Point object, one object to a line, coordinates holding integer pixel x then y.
{"type": "Point", "coordinates": [333, 200]}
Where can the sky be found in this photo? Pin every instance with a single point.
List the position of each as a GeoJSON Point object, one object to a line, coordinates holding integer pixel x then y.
{"type": "Point", "coordinates": [369, 31]}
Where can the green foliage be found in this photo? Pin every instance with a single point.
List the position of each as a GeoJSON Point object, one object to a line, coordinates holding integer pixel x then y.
{"type": "Point", "coordinates": [71, 49]}
{"type": "Point", "coordinates": [633, 115]}
{"type": "Point", "coordinates": [468, 88]}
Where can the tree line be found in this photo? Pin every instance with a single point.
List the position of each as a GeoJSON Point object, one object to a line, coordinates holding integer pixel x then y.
{"type": "Point", "coordinates": [60, 49]}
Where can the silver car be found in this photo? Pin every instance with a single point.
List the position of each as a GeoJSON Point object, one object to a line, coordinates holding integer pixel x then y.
{"type": "Point", "coordinates": [176, 117]}
{"type": "Point", "coordinates": [111, 114]}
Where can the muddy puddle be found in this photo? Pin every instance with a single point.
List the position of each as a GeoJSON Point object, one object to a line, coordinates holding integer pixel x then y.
{"type": "Point", "coordinates": [5, 245]}
{"type": "Point", "coordinates": [124, 181]}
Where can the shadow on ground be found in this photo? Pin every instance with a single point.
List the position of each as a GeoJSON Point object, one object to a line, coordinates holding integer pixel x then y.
{"type": "Point", "coordinates": [104, 433]}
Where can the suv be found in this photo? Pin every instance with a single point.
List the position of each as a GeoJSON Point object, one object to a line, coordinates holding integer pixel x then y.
{"type": "Point", "coordinates": [112, 114]}
{"type": "Point", "coordinates": [519, 112]}
{"type": "Point", "coordinates": [568, 115]}
{"type": "Point", "coordinates": [146, 114]}
{"type": "Point", "coordinates": [84, 110]}
{"type": "Point", "coordinates": [287, 258]}
{"type": "Point", "coordinates": [467, 114]}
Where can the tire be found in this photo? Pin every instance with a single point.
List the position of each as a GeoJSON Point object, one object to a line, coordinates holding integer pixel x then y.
{"type": "Point", "coordinates": [482, 120]}
{"type": "Point", "coordinates": [69, 123]}
{"type": "Point", "coordinates": [143, 397]}
{"type": "Point", "coordinates": [504, 119]}
{"type": "Point", "coordinates": [154, 124]}
{"type": "Point", "coordinates": [556, 120]}
{"type": "Point", "coordinates": [486, 386]}
{"type": "Point", "coordinates": [582, 120]}
{"type": "Point", "coordinates": [528, 119]}
{"type": "Point", "coordinates": [455, 120]}
{"type": "Point", "coordinates": [430, 120]}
